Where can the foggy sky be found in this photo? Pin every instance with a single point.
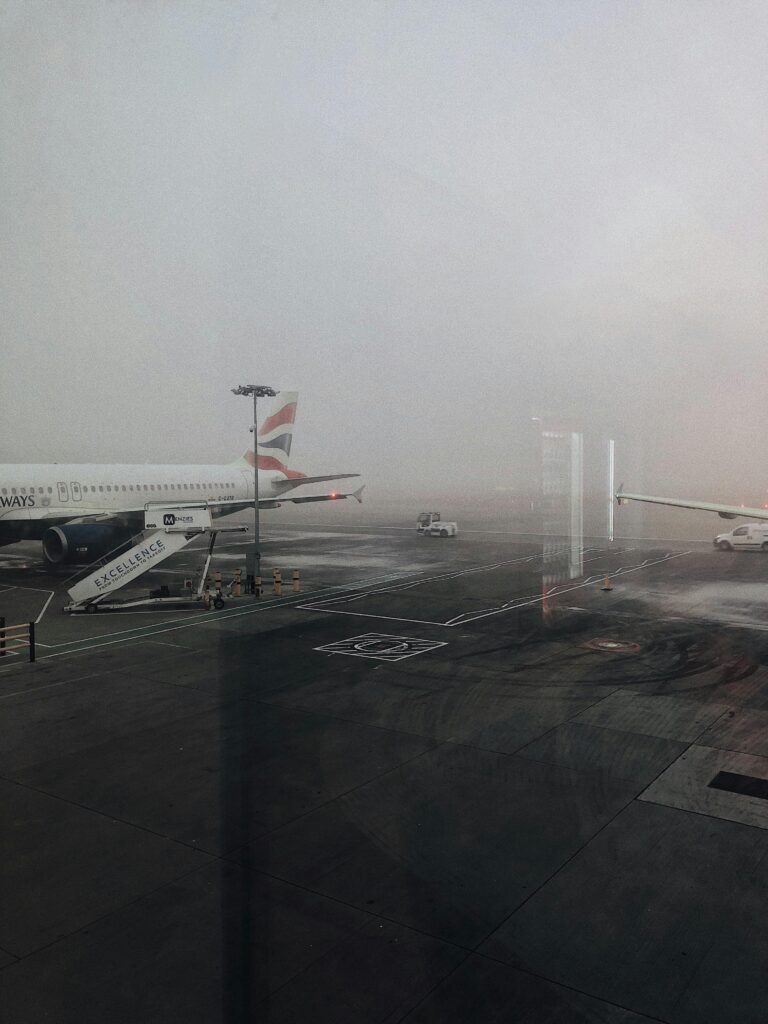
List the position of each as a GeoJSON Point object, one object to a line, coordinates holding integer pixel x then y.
{"type": "Point", "coordinates": [433, 219]}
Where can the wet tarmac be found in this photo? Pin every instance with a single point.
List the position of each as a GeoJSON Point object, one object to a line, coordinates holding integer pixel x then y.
{"type": "Point", "coordinates": [440, 784]}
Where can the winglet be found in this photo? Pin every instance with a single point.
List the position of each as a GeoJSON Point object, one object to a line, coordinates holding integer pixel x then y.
{"type": "Point", "coordinates": [358, 494]}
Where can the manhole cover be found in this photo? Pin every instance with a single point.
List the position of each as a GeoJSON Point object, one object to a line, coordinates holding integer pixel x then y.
{"type": "Point", "coordinates": [613, 646]}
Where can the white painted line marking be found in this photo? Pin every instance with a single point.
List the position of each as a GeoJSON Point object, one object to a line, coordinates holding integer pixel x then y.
{"type": "Point", "coordinates": [146, 632]}
{"type": "Point", "coordinates": [466, 617]}
{"type": "Point", "coordinates": [368, 615]}
{"type": "Point", "coordinates": [141, 633]}
{"type": "Point", "coordinates": [32, 690]}
{"type": "Point", "coordinates": [556, 591]}
{"type": "Point", "coordinates": [226, 613]}
{"type": "Point", "coordinates": [453, 574]}
{"type": "Point", "coordinates": [35, 590]}
{"type": "Point", "coordinates": [381, 646]}
{"type": "Point", "coordinates": [45, 607]}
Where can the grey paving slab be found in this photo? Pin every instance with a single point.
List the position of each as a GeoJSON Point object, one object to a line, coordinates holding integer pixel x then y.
{"type": "Point", "coordinates": [744, 729]}
{"type": "Point", "coordinates": [472, 711]}
{"type": "Point", "coordinates": [378, 976]}
{"type": "Point", "coordinates": [62, 866]}
{"type": "Point", "coordinates": [450, 843]}
{"type": "Point", "coordinates": [756, 690]}
{"type": "Point", "coordinates": [25, 677]}
{"type": "Point", "coordinates": [625, 755]}
{"type": "Point", "coordinates": [210, 671]}
{"type": "Point", "coordinates": [710, 687]}
{"type": "Point", "coordinates": [729, 984]}
{"type": "Point", "coordinates": [46, 723]}
{"type": "Point", "coordinates": [632, 919]}
{"type": "Point", "coordinates": [270, 655]}
{"type": "Point", "coordinates": [111, 651]}
{"type": "Point", "coordinates": [493, 993]}
{"type": "Point", "coordinates": [664, 717]}
{"type": "Point", "coordinates": [6, 958]}
{"type": "Point", "coordinates": [685, 784]}
{"type": "Point", "coordinates": [201, 949]}
{"type": "Point", "coordinates": [218, 778]}
{"type": "Point", "coordinates": [565, 664]}
{"type": "Point", "coordinates": [446, 846]}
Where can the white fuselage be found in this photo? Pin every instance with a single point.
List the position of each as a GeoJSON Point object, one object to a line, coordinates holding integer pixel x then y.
{"type": "Point", "coordinates": [35, 497]}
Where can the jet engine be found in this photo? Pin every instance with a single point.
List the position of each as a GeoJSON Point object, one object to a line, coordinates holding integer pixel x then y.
{"type": "Point", "coordinates": [83, 543]}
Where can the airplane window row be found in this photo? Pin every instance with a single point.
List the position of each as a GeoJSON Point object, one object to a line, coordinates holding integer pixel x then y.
{"type": "Point", "coordinates": [123, 487]}
{"type": "Point", "coordinates": [160, 487]}
{"type": "Point", "coordinates": [28, 490]}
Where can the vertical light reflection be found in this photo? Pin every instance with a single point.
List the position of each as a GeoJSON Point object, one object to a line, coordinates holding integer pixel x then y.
{"type": "Point", "coordinates": [562, 487]}
{"type": "Point", "coordinates": [611, 487]}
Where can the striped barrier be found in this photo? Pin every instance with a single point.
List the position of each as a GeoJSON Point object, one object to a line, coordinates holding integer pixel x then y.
{"type": "Point", "coordinates": [17, 638]}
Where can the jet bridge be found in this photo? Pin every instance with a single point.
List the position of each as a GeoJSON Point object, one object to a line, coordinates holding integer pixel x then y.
{"type": "Point", "coordinates": [167, 529]}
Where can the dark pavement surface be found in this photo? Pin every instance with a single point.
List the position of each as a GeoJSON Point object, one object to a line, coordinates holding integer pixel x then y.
{"type": "Point", "coordinates": [207, 819]}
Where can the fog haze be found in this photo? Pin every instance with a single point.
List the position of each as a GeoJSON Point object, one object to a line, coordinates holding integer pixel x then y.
{"type": "Point", "coordinates": [434, 220]}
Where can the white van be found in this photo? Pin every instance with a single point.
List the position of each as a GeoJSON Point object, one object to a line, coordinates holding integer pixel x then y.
{"type": "Point", "coordinates": [750, 537]}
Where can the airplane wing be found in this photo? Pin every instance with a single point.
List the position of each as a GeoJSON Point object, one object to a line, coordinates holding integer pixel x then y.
{"type": "Point", "coordinates": [724, 511]}
{"type": "Point", "coordinates": [334, 496]}
{"type": "Point", "coordinates": [288, 485]}
{"type": "Point", "coordinates": [238, 503]}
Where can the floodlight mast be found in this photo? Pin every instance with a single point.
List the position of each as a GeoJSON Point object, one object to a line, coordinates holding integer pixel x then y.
{"type": "Point", "coordinates": [253, 558]}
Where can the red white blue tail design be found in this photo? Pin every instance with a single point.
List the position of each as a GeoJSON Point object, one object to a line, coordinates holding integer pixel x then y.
{"type": "Point", "coordinates": [275, 436]}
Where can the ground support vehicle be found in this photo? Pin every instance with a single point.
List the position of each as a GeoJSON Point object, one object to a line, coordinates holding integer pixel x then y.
{"type": "Point", "coordinates": [429, 524]}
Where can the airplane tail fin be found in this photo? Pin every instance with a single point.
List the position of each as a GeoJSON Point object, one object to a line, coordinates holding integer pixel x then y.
{"type": "Point", "coordinates": [275, 436]}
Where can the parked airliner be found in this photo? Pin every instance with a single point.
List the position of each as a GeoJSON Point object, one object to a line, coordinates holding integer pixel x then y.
{"type": "Point", "coordinates": [81, 512]}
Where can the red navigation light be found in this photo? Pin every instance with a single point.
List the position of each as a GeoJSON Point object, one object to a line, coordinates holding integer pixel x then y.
{"type": "Point", "coordinates": [333, 494]}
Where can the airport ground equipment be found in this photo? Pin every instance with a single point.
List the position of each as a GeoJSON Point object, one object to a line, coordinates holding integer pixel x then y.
{"type": "Point", "coordinates": [425, 520]}
{"type": "Point", "coordinates": [173, 528]}
{"type": "Point", "coordinates": [442, 529]}
{"type": "Point", "coordinates": [429, 524]}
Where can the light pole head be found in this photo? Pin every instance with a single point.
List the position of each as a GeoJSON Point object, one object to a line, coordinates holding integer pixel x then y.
{"type": "Point", "coordinates": [255, 390]}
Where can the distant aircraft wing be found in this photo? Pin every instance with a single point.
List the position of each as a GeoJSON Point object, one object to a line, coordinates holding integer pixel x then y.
{"type": "Point", "coordinates": [724, 511]}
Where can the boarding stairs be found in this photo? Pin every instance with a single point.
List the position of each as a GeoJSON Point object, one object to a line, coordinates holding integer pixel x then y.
{"type": "Point", "coordinates": [167, 530]}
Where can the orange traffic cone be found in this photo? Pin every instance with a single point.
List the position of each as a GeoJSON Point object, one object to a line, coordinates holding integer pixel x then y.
{"type": "Point", "coordinates": [607, 585]}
